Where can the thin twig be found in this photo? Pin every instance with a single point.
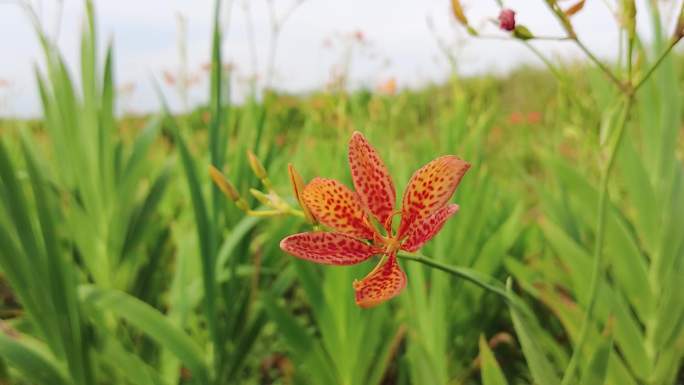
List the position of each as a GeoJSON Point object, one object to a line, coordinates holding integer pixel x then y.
{"type": "Point", "coordinates": [601, 66]}
{"type": "Point", "coordinates": [277, 24]}
{"type": "Point", "coordinates": [251, 38]}
{"type": "Point", "coordinates": [543, 58]}
{"type": "Point", "coordinates": [290, 11]}
{"type": "Point", "coordinates": [508, 38]}
{"type": "Point", "coordinates": [441, 44]}
{"type": "Point", "coordinates": [596, 275]}
{"type": "Point", "coordinates": [555, 9]}
{"type": "Point", "coordinates": [655, 65]}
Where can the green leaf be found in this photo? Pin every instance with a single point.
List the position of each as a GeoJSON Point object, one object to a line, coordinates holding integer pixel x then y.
{"type": "Point", "coordinates": [134, 165]}
{"type": "Point", "coordinates": [609, 120]}
{"type": "Point", "coordinates": [33, 363]}
{"type": "Point", "coordinates": [301, 343]}
{"type": "Point", "coordinates": [62, 285]}
{"type": "Point", "coordinates": [596, 372]}
{"type": "Point", "coordinates": [130, 366]}
{"type": "Point", "coordinates": [528, 330]}
{"type": "Point", "coordinates": [490, 370]}
{"type": "Point", "coordinates": [237, 234]}
{"type": "Point", "coordinates": [151, 322]}
{"type": "Point", "coordinates": [206, 233]}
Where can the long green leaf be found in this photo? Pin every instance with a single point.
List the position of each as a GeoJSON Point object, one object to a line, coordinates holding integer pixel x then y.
{"type": "Point", "coordinates": [527, 330]}
{"type": "Point", "coordinates": [491, 372]}
{"type": "Point", "coordinates": [151, 322]}
{"type": "Point", "coordinates": [597, 370]}
{"type": "Point", "coordinates": [34, 364]}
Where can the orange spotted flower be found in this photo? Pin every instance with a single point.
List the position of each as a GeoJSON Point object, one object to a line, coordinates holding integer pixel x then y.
{"type": "Point", "coordinates": [352, 217]}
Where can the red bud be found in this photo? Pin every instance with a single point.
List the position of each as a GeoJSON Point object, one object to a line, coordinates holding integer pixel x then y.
{"type": "Point", "coordinates": [507, 19]}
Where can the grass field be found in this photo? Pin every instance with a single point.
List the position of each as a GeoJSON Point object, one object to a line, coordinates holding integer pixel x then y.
{"type": "Point", "coordinates": [123, 263]}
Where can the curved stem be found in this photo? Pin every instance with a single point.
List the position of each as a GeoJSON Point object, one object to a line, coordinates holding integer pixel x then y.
{"type": "Point", "coordinates": [597, 270]}
{"type": "Point", "coordinates": [469, 275]}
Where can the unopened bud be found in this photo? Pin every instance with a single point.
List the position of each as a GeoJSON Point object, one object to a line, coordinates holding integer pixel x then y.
{"type": "Point", "coordinates": [223, 184]}
{"type": "Point", "coordinates": [298, 186]}
{"type": "Point", "coordinates": [261, 197]}
{"type": "Point", "coordinates": [573, 9]}
{"type": "Point", "coordinates": [457, 10]}
{"type": "Point", "coordinates": [679, 27]}
{"type": "Point", "coordinates": [521, 32]}
{"type": "Point", "coordinates": [256, 165]}
{"type": "Point", "coordinates": [459, 15]}
{"type": "Point", "coordinates": [628, 11]}
{"type": "Point", "coordinates": [507, 19]}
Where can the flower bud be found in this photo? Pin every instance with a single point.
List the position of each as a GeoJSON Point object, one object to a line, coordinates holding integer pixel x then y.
{"type": "Point", "coordinates": [457, 10]}
{"type": "Point", "coordinates": [628, 13]}
{"type": "Point", "coordinates": [223, 184]}
{"type": "Point", "coordinates": [507, 19]}
{"type": "Point", "coordinates": [521, 32]}
{"type": "Point", "coordinates": [459, 15]}
{"type": "Point", "coordinates": [298, 187]}
{"type": "Point", "coordinates": [573, 9]}
{"type": "Point", "coordinates": [261, 197]}
{"type": "Point", "coordinates": [256, 166]}
{"type": "Point", "coordinates": [679, 30]}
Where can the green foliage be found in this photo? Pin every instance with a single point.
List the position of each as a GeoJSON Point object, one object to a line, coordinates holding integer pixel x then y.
{"type": "Point", "coordinates": [491, 372]}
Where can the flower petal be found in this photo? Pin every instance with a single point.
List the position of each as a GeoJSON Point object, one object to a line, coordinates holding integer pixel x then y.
{"type": "Point", "coordinates": [371, 179]}
{"type": "Point", "coordinates": [385, 282]}
{"type": "Point", "coordinates": [298, 186]}
{"type": "Point", "coordinates": [429, 189]}
{"type": "Point", "coordinates": [328, 248]}
{"type": "Point", "coordinates": [428, 228]}
{"type": "Point", "coordinates": [336, 206]}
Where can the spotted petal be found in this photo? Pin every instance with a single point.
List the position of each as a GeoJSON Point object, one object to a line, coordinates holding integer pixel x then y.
{"type": "Point", "coordinates": [385, 282]}
{"type": "Point", "coordinates": [428, 228]}
{"type": "Point", "coordinates": [336, 206]}
{"type": "Point", "coordinates": [429, 189]}
{"type": "Point", "coordinates": [371, 179]}
{"type": "Point", "coordinates": [328, 248]}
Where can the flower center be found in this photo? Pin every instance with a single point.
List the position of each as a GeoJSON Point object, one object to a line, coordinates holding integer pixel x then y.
{"type": "Point", "coordinates": [391, 245]}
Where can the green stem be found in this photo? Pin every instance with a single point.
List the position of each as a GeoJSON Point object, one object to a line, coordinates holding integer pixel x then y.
{"type": "Point", "coordinates": [567, 26]}
{"type": "Point", "coordinates": [630, 53]}
{"type": "Point", "coordinates": [543, 58]}
{"type": "Point", "coordinates": [597, 271]}
{"type": "Point", "coordinates": [470, 275]}
{"type": "Point", "coordinates": [600, 65]}
{"type": "Point", "coordinates": [536, 37]}
{"type": "Point", "coordinates": [655, 65]}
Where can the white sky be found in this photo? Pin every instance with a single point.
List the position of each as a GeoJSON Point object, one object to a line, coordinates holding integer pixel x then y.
{"type": "Point", "coordinates": [398, 45]}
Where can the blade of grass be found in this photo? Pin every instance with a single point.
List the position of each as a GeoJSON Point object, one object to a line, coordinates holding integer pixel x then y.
{"type": "Point", "coordinates": [491, 372]}
{"type": "Point", "coordinates": [32, 363]}
{"type": "Point", "coordinates": [152, 323]}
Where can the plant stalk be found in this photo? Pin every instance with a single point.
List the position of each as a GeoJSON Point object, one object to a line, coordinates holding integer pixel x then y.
{"type": "Point", "coordinates": [470, 275]}
{"type": "Point", "coordinates": [655, 65]}
{"type": "Point", "coordinates": [596, 274]}
{"type": "Point", "coordinates": [601, 66]}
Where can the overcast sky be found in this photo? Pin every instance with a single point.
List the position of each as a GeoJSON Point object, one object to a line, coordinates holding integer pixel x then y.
{"type": "Point", "coordinates": [315, 41]}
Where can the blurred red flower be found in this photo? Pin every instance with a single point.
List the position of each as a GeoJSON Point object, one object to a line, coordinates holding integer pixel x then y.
{"type": "Point", "coordinates": [507, 19]}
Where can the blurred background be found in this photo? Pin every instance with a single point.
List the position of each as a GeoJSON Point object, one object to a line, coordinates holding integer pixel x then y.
{"type": "Point", "coordinates": [318, 42]}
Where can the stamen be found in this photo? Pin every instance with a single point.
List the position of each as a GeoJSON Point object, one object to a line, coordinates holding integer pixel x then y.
{"type": "Point", "coordinates": [388, 222]}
